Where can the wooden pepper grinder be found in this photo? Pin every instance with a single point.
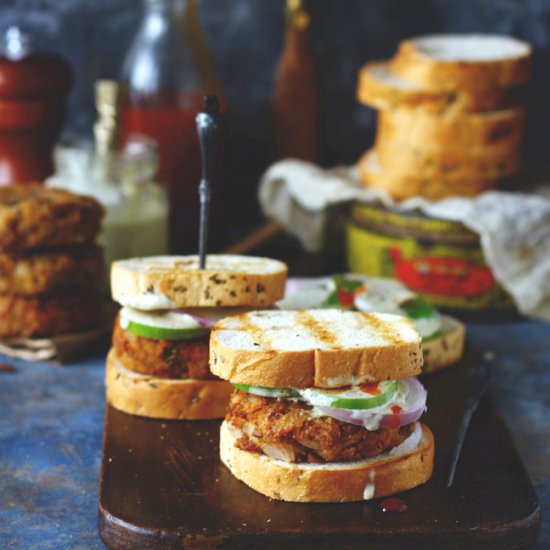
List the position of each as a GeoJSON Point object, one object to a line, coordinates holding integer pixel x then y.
{"type": "Point", "coordinates": [296, 101]}
{"type": "Point", "coordinates": [33, 89]}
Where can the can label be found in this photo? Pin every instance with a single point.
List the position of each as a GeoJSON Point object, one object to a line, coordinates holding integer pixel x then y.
{"type": "Point", "coordinates": [447, 274]}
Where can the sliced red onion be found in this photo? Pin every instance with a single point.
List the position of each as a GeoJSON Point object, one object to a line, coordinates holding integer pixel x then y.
{"type": "Point", "coordinates": [207, 317]}
{"type": "Point", "coordinates": [415, 405]}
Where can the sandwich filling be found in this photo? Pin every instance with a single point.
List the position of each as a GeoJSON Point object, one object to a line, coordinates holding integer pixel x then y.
{"type": "Point", "coordinates": [317, 425]}
{"type": "Point", "coordinates": [167, 344]}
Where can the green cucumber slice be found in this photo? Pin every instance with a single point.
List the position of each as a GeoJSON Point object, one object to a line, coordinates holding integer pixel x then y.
{"type": "Point", "coordinates": [267, 392]}
{"type": "Point", "coordinates": [351, 398]}
{"type": "Point", "coordinates": [161, 325]}
{"type": "Point", "coordinates": [163, 333]}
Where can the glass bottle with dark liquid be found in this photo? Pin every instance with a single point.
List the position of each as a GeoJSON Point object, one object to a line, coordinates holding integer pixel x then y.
{"type": "Point", "coordinates": [168, 72]}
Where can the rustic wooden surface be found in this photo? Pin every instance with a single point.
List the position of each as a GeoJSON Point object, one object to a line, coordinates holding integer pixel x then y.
{"type": "Point", "coordinates": [162, 486]}
{"type": "Point", "coordinates": [52, 419]}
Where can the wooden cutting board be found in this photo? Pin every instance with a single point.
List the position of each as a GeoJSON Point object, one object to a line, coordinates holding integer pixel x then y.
{"type": "Point", "coordinates": [162, 486]}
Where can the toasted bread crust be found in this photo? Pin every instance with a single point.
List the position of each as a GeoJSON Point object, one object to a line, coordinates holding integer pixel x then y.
{"type": "Point", "coordinates": [228, 280]}
{"type": "Point", "coordinates": [34, 216]}
{"type": "Point", "coordinates": [384, 94]}
{"type": "Point", "coordinates": [335, 365]}
{"type": "Point", "coordinates": [144, 395]}
{"type": "Point", "coordinates": [438, 163]}
{"type": "Point", "coordinates": [494, 131]}
{"type": "Point", "coordinates": [341, 483]}
{"type": "Point", "coordinates": [447, 349]}
{"type": "Point", "coordinates": [447, 75]}
{"type": "Point", "coordinates": [405, 186]}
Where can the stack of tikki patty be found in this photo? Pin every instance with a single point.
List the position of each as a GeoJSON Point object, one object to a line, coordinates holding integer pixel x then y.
{"type": "Point", "coordinates": [449, 122]}
{"type": "Point", "coordinates": [50, 268]}
{"type": "Point", "coordinates": [158, 366]}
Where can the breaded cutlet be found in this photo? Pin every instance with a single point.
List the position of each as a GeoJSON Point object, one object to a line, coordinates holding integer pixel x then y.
{"type": "Point", "coordinates": [162, 358]}
{"type": "Point", "coordinates": [44, 271]}
{"type": "Point", "coordinates": [48, 315]}
{"type": "Point", "coordinates": [33, 216]}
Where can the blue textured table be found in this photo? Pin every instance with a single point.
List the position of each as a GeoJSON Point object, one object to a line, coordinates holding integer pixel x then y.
{"type": "Point", "coordinates": [51, 424]}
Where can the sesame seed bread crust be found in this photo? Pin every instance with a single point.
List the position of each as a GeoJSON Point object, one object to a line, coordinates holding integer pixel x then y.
{"type": "Point", "coordinates": [405, 186]}
{"type": "Point", "coordinates": [170, 399]}
{"type": "Point", "coordinates": [465, 62]}
{"type": "Point", "coordinates": [164, 282]}
{"type": "Point", "coordinates": [379, 87]}
{"type": "Point", "coordinates": [337, 482]}
{"type": "Point", "coordinates": [447, 349]}
{"type": "Point", "coordinates": [33, 215]}
{"type": "Point", "coordinates": [323, 348]}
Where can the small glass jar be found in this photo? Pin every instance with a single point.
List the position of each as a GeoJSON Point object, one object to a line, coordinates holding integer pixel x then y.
{"type": "Point", "coordinates": [136, 208]}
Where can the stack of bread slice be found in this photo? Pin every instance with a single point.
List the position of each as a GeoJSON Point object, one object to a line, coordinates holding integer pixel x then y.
{"type": "Point", "coordinates": [449, 121]}
{"type": "Point", "coordinates": [50, 267]}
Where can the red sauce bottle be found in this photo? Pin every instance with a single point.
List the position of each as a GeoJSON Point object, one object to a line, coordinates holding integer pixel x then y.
{"type": "Point", "coordinates": [33, 91]}
{"type": "Point", "coordinates": [168, 71]}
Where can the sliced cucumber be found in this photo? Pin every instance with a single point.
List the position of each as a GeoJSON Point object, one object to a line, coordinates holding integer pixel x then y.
{"type": "Point", "coordinates": [268, 392]}
{"type": "Point", "coordinates": [166, 325]}
{"type": "Point", "coordinates": [158, 333]}
{"type": "Point", "coordinates": [351, 398]}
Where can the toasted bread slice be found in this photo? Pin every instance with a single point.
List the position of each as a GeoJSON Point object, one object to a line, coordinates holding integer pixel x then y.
{"type": "Point", "coordinates": [176, 399]}
{"type": "Point", "coordinates": [485, 164]}
{"type": "Point", "coordinates": [469, 62]}
{"type": "Point", "coordinates": [381, 88]}
{"type": "Point", "coordinates": [405, 186]}
{"type": "Point", "coordinates": [330, 482]}
{"type": "Point", "coordinates": [493, 131]}
{"type": "Point", "coordinates": [324, 348]}
{"type": "Point", "coordinates": [164, 282]}
{"type": "Point", "coordinates": [447, 348]}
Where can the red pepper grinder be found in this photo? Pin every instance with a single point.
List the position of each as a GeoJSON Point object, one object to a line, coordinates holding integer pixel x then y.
{"type": "Point", "coordinates": [33, 91]}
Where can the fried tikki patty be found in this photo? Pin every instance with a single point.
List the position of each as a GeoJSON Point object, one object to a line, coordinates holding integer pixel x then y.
{"type": "Point", "coordinates": [162, 358]}
{"type": "Point", "coordinates": [288, 430]}
{"type": "Point", "coordinates": [33, 216]}
{"type": "Point", "coordinates": [49, 271]}
{"type": "Point", "coordinates": [49, 315]}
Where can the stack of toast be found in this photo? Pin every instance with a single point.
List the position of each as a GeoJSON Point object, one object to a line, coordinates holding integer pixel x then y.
{"type": "Point", "coordinates": [449, 119]}
{"type": "Point", "coordinates": [51, 269]}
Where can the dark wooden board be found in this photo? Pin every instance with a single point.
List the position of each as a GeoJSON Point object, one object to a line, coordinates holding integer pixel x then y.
{"type": "Point", "coordinates": [162, 486]}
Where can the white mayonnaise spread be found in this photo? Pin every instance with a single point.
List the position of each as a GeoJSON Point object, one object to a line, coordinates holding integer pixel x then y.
{"type": "Point", "coordinates": [146, 301]}
{"type": "Point", "coordinates": [368, 492]}
{"type": "Point", "coordinates": [371, 418]}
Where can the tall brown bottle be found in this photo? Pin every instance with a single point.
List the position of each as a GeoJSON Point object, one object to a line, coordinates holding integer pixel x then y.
{"type": "Point", "coordinates": [296, 99]}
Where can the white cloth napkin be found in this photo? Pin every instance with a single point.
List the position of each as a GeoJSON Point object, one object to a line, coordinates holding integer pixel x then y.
{"type": "Point", "coordinates": [514, 228]}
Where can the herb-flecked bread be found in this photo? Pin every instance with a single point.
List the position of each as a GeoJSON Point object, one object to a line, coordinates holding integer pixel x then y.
{"type": "Point", "coordinates": [165, 282]}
